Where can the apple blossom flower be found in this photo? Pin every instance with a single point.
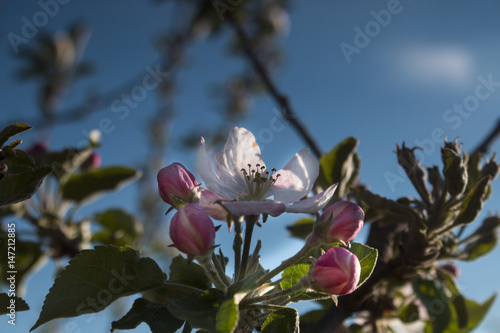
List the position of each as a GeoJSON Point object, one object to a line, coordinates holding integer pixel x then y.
{"type": "Point", "coordinates": [192, 230]}
{"type": "Point", "coordinates": [337, 271]}
{"type": "Point", "coordinates": [242, 178]}
{"type": "Point", "coordinates": [341, 221]}
{"type": "Point", "coordinates": [176, 182]}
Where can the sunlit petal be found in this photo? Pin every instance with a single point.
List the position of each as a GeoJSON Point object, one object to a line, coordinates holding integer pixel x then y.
{"type": "Point", "coordinates": [313, 204]}
{"type": "Point", "coordinates": [296, 178]}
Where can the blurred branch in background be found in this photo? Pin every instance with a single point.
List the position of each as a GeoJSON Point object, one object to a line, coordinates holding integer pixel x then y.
{"type": "Point", "coordinates": [485, 145]}
{"type": "Point", "coordinates": [281, 99]}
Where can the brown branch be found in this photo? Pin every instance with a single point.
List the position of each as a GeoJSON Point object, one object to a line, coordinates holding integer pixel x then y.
{"type": "Point", "coordinates": [488, 141]}
{"type": "Point", "coordinates": [280, 98]}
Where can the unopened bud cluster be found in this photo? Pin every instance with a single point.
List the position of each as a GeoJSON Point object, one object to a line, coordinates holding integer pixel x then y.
{"type": "Point", "coordinates": [191, 228]}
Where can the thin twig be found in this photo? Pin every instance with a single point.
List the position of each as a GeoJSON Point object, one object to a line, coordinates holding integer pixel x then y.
{"type": "Point", "coordinates": [485, 145]}
{"type": "Point", "coordinates": [282, 100]}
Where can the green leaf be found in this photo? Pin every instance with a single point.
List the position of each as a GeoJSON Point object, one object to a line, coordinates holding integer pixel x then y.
{"type": "Point", "coordinates": [88, 184]}
{"type": "Point", "coordinates": [12, 130]}
{"type": "Point", "coordinates": [228, 315]}
{"type": "Point", "coordinates": [436, 301]}
{"type": "Point", "coordinates": [199, 310]}
{"type": "Point", "coordinates": [8, 303]}
{"type": "Point", "coordinates": [454, 172]}
{"type": "Point", "coordinates": [475, 311]}
{"type": "Point", "coordinates": [340, 165]}
{"type": "Point", "coordinates": [19, 187]}
{"type": "Point", "coordinates": [96, 278]}
{"type": "Point", "coordinates": [190, 274]}
{"type": "Point", "coordinates": [301, 228]}
{"type": "Point", "coordinates": [415, 172]}
{"type": "Point", "coordinates": [313, 316]}
{"type": "Point", "coordinates": [482, 246]}
{"type": "Point", "coordinates": [247, 284]}
{"type": "Point", "coordinates": [378, 202]}
{"type": "Point", "coordinates": [118, 227]}
{"type": "Point", "coordinates": [367, 258]}
{"type": "Point", "coordinates": [292, 275]}
{"type": "Point", "coordinates": [282, 321]}
{"type": "Point", "coordinates": [460, 307]}
{"type": "Point", "coordinates": [473, 202]}
{"type": "Point", "coordinates": [409, 313]}
{"type": "Point", "coordinates": [473, 170]}
{"type": "Point", "coordinates": [156, 315]}
{"type": "Point", "coordinates": [15, 143]}
{"type": "Point", "coordinates": [20, 162]}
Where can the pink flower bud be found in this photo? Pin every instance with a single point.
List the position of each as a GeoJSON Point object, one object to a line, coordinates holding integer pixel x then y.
{"type": "Point", "coordinates": [452, 268]}
{"type": "Point", "coordinates": [192, 230]}
{"type": "Point", "coordinates": [337, 272]}
{"type": "Point", "coordinates": [37, 149]}
{"type": "Point", "coordinates": [92, 162]}
{"type": "Point", "coordinates": [344, 219]}
{"type": "Point", "coordinates": [176, 180]}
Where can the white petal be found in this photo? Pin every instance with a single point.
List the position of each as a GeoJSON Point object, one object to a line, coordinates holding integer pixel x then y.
{"type": "Point", "coordinates": [243, 208]}
{"type": "Point", "coordinates": [208, 176]}
{"type": "Point", "coordinates": [240, 150]}
{"type": "Point", "coordinates": [313, 204]}
{"type": "Point", "coordinates": [296, 178]}
{"type": "Point", "coordinates": [228, 175]}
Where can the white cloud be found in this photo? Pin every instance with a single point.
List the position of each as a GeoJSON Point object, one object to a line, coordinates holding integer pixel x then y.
{"type": "Point", "coordinates": [435, 65]}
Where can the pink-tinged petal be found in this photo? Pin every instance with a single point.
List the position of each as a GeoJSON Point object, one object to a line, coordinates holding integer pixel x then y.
{"type": "Point", "coordinates": [208, 176]}
{"type": "Point", "coordinates": [177, 181]}
{"type": "Point", "coordinates": [345, 219]}
{"type": "Point", "coordinates": [192, 230]}
{"type": "Point", "coordinates": [243, 208]}
{"type": "Point", "coordinates": [337, 272]}
{"type": "Point", "coordinates": [313, 204]}
{"type": "Point", "coordinates": [296, 178]}
{"type": "Point", "coordinates": [207, 202]}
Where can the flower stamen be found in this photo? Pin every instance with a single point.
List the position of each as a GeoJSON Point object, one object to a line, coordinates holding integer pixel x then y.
{"type": "Point", "coordinates": [258, 180]}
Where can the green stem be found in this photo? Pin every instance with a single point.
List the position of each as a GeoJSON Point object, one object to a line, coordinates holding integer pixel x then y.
{"type": "Point", "coordinates": [219, 269]}
{"type": "Point", "coordinates": [300, 285]}
{"type": "Point", "coordinates": [254, 258]}
{"type": "Point", "coordinates": [212, 273]}
{"type": "Point", "coordinates": [250, 224]}
{"type": "Point", "coordinates": [265, 307]}
{"type": "Point", "coordinates": [238, 240]}
{"type": "Point", "coordinates": [308, 246]}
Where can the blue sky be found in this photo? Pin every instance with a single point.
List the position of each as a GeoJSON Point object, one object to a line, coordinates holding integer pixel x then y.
{"type": "Point", "coordinates": [401, 84]}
